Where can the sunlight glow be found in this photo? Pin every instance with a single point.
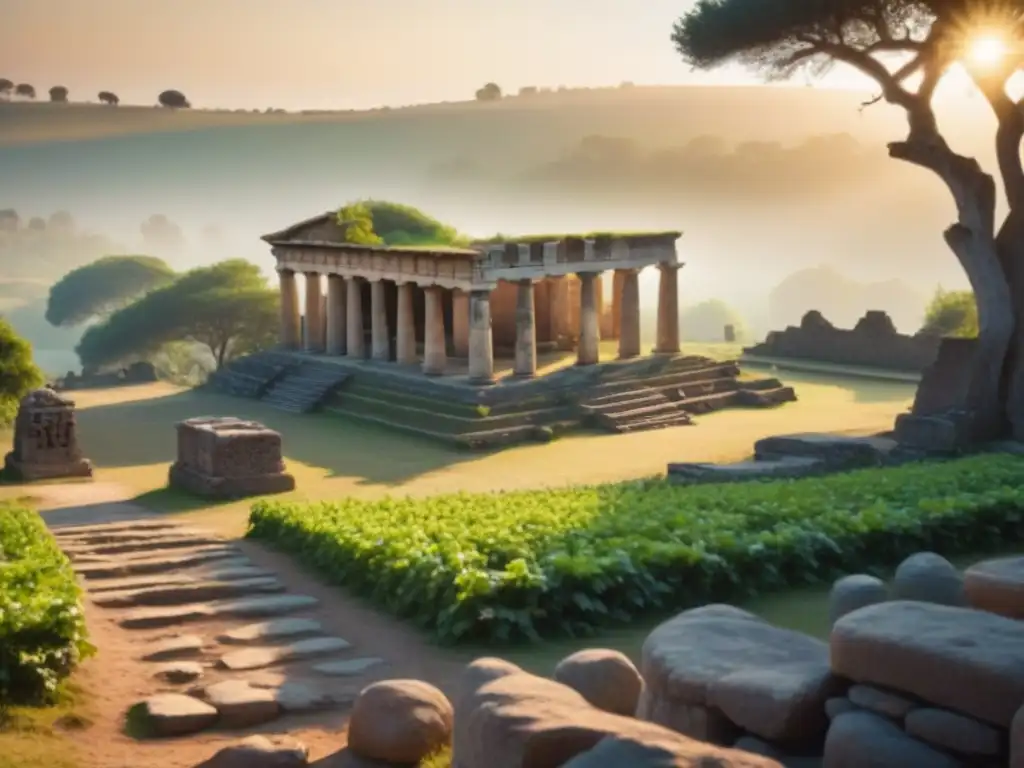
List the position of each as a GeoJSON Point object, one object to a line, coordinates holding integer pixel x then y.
{"type": "Point", "coordinates": [986, 51]}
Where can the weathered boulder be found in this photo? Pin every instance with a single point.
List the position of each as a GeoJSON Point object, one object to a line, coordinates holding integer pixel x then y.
{"type": "Point", "coordinates": [836, 451]}
{"type": "Point", "coordinates": [1017, 740]}
{"type": "Point", "coordinates": [605, 678]}
{"type": "Point", "coordinates": [882, 702]}
{"type": "Point", "coordinates": [170, 714]}
{"type": "Point", "coordinates": [179, 672]}
{"type": "Point", "coordinates": [400, 721]}
{"type": "Point", "coordinates": [960, 659]}
{"type": "Point", "coordinates": [712, 671]}
{"type": "Point", "coordinates": [622, 751]}
{"type": "Point", "coordinates": [954, 732]}
{"type": "Point", "coordinates": [853, 592]}
{"type": "Point", "coordinates": [507, 718]}
{"type": "Point", "coordinates": [997, 586]}
{"type": "Point", "coordinates": [261, 752]}
{"type": "Point", "coordinates": [928, 578]}
{"type": "Point", "coordinates": [838, 705]}
{"type": "Point", "coordinates": [860, 739]}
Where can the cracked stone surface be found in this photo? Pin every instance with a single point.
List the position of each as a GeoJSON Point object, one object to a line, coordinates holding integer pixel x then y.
{"type": "Point", "coordinates": [175, 648]}
{"type": "Point", "coordinates": [155, 544]}
{"type": "Point", "coordinates": [276, 629]}
{"type": "Point", "coordinates": [256, 658]}
{"type": "Point", "coordinates": [255, 607]}
{"type": "Point", "coordinates": [127, 526]}
{"type": "Point", "coordinates": [223, 571]}
{"type": "Point", "coordinates": [178, 594]}
{"type": "Point", "coordinates": [347, 667]}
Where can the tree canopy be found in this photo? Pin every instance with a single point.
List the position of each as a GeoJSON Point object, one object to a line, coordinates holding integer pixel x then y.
{"type": "Point", "coordinates": [58, 94]}
{"type": "Point", "coordinates": [377, 222]}
{"type": "Point", "coordinates": [108, 97]}
{"type": "Point", "coordinates": [951, 313]}
{"type": "Point", "coordinates": [104, 286]}
{"type": "Point", "coordinates": [907, 47]}
{"type": "Point", "coordinates": [173, 100]}
{"type": "Point", "coordinates": [18, 372]}
{"type": "Point", "coordinates": [490, 92]}
{"type": "Point", "coordinates": [226, 307]}
{"type": "Point", "coordinates": [6, 86]}
{"type": "Point", "coordinates": [25, 90]}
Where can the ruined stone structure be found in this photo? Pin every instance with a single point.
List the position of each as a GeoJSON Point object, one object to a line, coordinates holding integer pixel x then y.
{"type": "Point", "coordinates": [417, 306]}
{"type": "Point", "coordinates": [224, 457]}
{"type": "Point", "coordinates": [46, 440]}
{"type": "Point", "coordinates": [873, 343]}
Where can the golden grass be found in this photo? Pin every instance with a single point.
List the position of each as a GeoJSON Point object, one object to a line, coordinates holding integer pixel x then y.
{"type": "Point", "coordinates": [43, 737]}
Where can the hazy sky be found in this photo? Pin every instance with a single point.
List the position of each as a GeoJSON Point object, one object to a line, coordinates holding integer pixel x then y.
{"type": "Point", "coordinates": [339, 53]}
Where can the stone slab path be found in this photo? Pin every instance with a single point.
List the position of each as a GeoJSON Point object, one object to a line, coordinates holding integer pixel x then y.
{"type": "Point", "coordinates": [204, 640]}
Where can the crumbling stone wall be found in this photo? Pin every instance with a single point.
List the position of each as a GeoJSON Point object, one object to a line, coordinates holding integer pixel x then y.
{"type": "Point", "coordinates": [873, 343]}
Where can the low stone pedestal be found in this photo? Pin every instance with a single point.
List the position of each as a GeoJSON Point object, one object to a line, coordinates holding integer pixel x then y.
{"type": "Point", "coordinates": [46, 440]}
{"type": "Point", "coordinates": [222, 457]}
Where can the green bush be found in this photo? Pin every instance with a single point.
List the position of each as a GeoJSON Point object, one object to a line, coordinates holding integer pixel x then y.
{"type": "Point", "coordinates": [527, 564]}
{"type": "Point", "coordinates": [42, 627]}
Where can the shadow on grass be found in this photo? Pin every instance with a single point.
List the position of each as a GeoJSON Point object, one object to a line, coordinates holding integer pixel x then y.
{"type": "Point", "coordinates": [171, 501]}
{"type": "Point", "coordinates": [142, 432]}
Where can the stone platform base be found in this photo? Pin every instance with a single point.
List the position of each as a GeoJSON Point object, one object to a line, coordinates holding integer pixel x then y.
{"type": "Point", "coordinates": [28, 473]}
{"type": "Point", "coordinates": [190, 481]}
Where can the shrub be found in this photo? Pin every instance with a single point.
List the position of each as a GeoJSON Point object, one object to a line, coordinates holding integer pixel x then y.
{"type": "Point", "coordinates": [42, 626]}
{"type": "Point", "coordinates": [526, 564]}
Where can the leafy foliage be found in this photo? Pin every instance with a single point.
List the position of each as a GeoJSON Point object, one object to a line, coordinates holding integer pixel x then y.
{"type": "Point", "coordinates": [226, 307]}
{"type": "Point", "coordinates": [376, 222]}
{"type": "Point", "coordinates": [490, 92]}
{"type": "Point", "coordinates": [59, 94]}
{"type": "Point", "coordinates": [103, 286]}
{"type": "Point", "coordinates": [173, 100]}
{"type": "Point", "coordinates": [109, 97]}
{"type": "Point", "coordinates": [952, 313]}
{"type": "Point", "coordinates": [526, 564]}
{"type": "Point", "coordinates": [6, 86]}
{"type": "Point", "coordinates": [42, 626]}
{"type": "Point", "coordinates": [18, 372]}
{"type": "Point", "coordinates": [25, 90]}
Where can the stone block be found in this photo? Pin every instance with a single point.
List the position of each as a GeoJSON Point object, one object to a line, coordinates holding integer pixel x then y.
{"type": "Point", "coordinates": [46, 440]}
{"type": "Point", "coordinates": [226, 458]}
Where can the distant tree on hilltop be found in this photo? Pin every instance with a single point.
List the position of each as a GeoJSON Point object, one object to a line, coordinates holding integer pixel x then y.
{"type": "Point", "coordinates": [59, 94]}
{"type": "Point", "coordinates": [9, 220]}
{"type": "Point", "coordinates": [6, 86]}
{"type": "Point", "coordinates": [103, 287]}
{"type": "Point", "coordinates": [161, 234]}
{"type": "Point", "coordinates": [109, 98]}
{"type": "Point", "coordinates": [490, 92]}
{"type": "Point", "coordinates": [25, 90]}
{"type": "Point", "coordinates": [173, 100]}
{"type": "Point", "coordinates": [526, 90]}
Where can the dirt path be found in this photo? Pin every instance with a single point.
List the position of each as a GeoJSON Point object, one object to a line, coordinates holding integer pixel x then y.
{"type": "Point", "coordinates": [147, 577]}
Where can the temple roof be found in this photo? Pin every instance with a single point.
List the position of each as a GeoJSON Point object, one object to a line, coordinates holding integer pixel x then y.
{"type": "Point", "coordinates": [325, 231]}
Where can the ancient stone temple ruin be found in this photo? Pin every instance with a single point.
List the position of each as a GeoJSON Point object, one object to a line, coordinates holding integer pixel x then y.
{"type": "Point", "coordinates": [226, 458]}
{"type": "Point", "coordinates": [491, 344]}
{"type": "Point", "coordinates": [46, 440]}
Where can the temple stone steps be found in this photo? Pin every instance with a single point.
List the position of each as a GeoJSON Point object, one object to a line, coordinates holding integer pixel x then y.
{"type": "Point", "coordinates": [250, 376]}
{"type": "Point", "coordinates": [305, 388]}
{"type": "Point", "coordinates": [637, 410]}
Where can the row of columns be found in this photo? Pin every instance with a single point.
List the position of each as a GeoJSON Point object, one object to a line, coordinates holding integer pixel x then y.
{"type": "Point", "coordinates": [471, 318]}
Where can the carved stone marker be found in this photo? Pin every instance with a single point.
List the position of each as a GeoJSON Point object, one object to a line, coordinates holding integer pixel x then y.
{"type": "Point", "coordinates": [46, 440]}
{"type": "Point", "coordinates": [730, 333]}
{"type": "Point", "coordinates": [223, 457]}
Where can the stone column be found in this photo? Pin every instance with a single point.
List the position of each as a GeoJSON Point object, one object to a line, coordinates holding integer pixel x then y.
{"type": "Point", "coordinates": [405, 345]}
{"type": "Point", "coordinates": [481, 340]}
{"type": "Point", "coordinates": [460, 323]}
{"type": "Point", "coordinates": [435, 359]}
{"type": "Point", "coordinates": [336, 341]}
{"type": "Point", "coordinates": [355, 346]}
{"type": "Point", "coordinates": [526, 331]}
{"type": "Point", "coordinates": [589, 350]}
{"type": "Point", "coordinates": [629, 315]}
{"type": "Point", "coordinates": [381, 338]}
{"type": "Point", "coordinates": [314, 313]}
{"type": "Point", "coordinates": [668, 310]}
{"type": "Point", "coordinates": [291, 330]}
{"type": "Point", "coordinates": [618, 280]}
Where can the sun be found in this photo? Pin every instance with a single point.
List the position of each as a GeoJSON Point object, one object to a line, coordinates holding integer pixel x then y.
{"type": "Point", "coordinates": [986, 51]}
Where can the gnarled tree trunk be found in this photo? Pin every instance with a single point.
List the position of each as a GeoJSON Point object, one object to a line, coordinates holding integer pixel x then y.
{"type": "Point", "coordinates": [972, 239]}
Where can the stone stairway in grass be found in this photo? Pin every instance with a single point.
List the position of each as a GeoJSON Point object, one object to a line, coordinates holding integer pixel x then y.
{"type": "Point", "coordinates": [228, 645]}
{"type": "Point", "coordinates": [669, 397]}
{"type": "Point", "coordinates": [305, 387]}
{"type": "Point", "coordinates": [251, 376]}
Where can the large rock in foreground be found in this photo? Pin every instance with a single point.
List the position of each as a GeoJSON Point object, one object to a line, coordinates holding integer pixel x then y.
{"type": "Point", "coordinates": [507, 718]}
{"type": "Point", "coordinates": [957, 658]}
{"type": "Point", "coordinates": [399, 721]}
{"type": "Point", "coordinates": [997, 586]}
{"type": "Point", "coordinates": [715, 670]}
